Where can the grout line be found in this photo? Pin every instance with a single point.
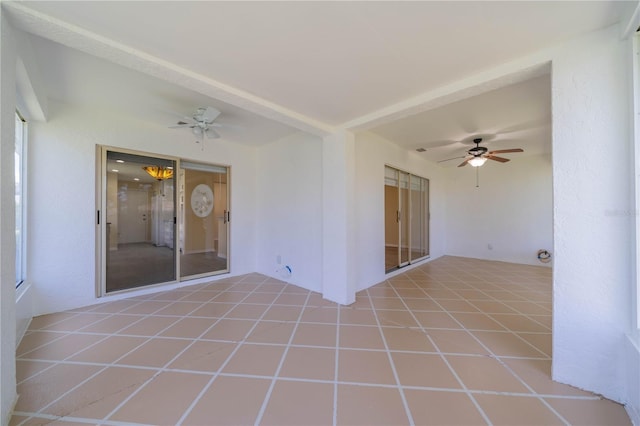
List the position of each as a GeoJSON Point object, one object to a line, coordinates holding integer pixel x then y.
{"type": "Point", "coordinates": [336, 366]}
{"type": "Point", "coordinates": [267, 396]}
{"type": "Point", "coordinates": [392, 364]}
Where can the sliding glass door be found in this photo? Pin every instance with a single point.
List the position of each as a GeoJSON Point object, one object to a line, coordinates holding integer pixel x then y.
{"type": "Point", "coordinates": [406, 211]}
{"type": "Point", "coordinates": [145, 236]}
{"type": "Point", "coordinates": [204, 219]}
{"type": "Point", "coordinates": [139, 214]}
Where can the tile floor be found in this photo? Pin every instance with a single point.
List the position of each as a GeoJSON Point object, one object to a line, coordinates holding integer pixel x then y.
{"type": "Point", "coordinates": [455, 341]}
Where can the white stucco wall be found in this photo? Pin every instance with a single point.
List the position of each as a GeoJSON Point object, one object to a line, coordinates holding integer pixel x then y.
{"type": "Point", "coordinates": [62, 193]}
{"type": "Point", "coordinates": [592, 235]}
{"type": "Point", "coordinates": [511, 210]}
{"type": "Point", "coordinates": [372, 154]}
{"type": "Point", "coordinates": [289, 209]}
{"type": "Point", "coordinates": [8, 60]}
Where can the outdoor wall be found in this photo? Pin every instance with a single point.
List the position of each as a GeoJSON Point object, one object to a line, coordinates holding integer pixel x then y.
{"type": "Point", "coordinates": [508, 217]}
{"type": "Point", "coordinates": [372, 154]}
{"type": "Point", "coordinates": [289, 209]}
{"type": "Point", "coordinates": [62, 219]}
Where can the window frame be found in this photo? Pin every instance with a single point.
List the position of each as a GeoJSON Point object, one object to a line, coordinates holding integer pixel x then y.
{"type": "Point", "coordinates": [20, 175]}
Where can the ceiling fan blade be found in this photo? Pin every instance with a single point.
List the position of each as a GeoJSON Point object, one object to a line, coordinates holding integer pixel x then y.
{"type": "Point", "coordinates": [449, 159]}
{"type": "Point", "coordinates": [181, 125]}
{"type": "Point", "coordinates": [212, 134]}
{"type": "Point", "coordinates": [504, 151]}
{"type": "Point", "coordinates": [494, 158]}
{"type": "Point", "coordinates": [464, 163]}
{"type": "Point", "coordinates": [208, 114]}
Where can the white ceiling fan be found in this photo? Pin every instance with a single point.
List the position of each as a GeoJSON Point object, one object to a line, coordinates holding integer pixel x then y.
{"type": "Point", "coordinates": [201, 123]}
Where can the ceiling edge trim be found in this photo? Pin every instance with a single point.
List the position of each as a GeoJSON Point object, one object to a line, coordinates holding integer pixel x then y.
{"type": "Point", "coordinates": [94, 44]}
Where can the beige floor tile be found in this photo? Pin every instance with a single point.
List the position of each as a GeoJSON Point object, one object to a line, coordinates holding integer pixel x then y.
{"type": "Point", "coordinates": [357, 316]}
{"type": "Point", "coordinates": [29, 368]}
{"type": "Point", "coordinates": [200, 296]}
{"type": "Point", "coordinates": [528, 308]}
{"type": "Point", "coordinates": [282, 313]}
{"type": "Point", "coordinates": [203, 356]}
{"type": "Point", "coordinates": [171, 295]}
{"type": "Point", "coordinates": [229, 401]}
{"type": "Point", "coordinates": [407, 339]}
{"type": "Point", "coordinates": [591, 412]}
{"type": "Point", "coordinates": [111, 324]}
{"type": "Point", "coordinates": [315, 299]}
{"type": "Point", "coordinates": [102, 394]}
{"type": "Point", "coordinates": [261, 298]}
{"type": "Point", "coordinates": [63, 348]}
{"type": "Point", "coordinates": [155, 353]}
{"type": "Point", "coordinates": [108, 350]}
{"type": "Point", "coordinates": [41, 321]}
{"type": "Point", "coordinates": [370, 405]}
{"type": "Point", "coordinates": [423, 370]}
{"type": "Point", "coordinates": [271, 332]}
{"type": "Point", "coordinates": [364, 367]}
{"type": "Point", "coordinates": [149, 326]}
{"type": "Point", "coordinates": [188, 327]}
{"type": "Point", "coordinates": [146, 307]}
{"type": "Point", "coordinates": [441, 293]}
{"type": "Point", "coordinates": [163, 400]}
{"type": "Point", "coordinates": [436, 320]}
{"type": "Point", "coordinates": [457, 306]}
{"type": "Point", "coordinates": [34, 339]}
{"type": "Point", "coordinates": [299, 403]}
{"type": "Point", "coordinates": [231, 297]}
{"type": "Point", "coordinates": [44, 388]}
{"type": "Point", "coordinates": [244, 311]}
{"type": "Point", "coordinates": [456, 341]}
{"type": "Point", "coordinates": [485, 373]}
{"type": "Point", "coordinates": [271, 287]}
{"type": "Point", "coordinates": [423, 304]}
{"type": "Point", "coordinates": [360, 337]}
{"type": "Point", "coordinates": [77, 322]}
{"type": "Point", "coordinates": [397, 318]}
{"type": "Point", "coordinates": [537, 374]}
{"type": "Point", "coordinates": [519, 323]}
{"type": "Point", "coordinates": [442, 408]}
{"type": "Point", "coordinates": [291, 299]}
{"type": "Point", "coordinates": [541, 341]}
{"type": "Point", "coordinates": [309, 363]}
{"type": "Point", "coordinates": [258, 360]}
{"type": "Point", "coordinates": [315, 335]}
{"type": "Point", "coordinates": [179, 308]}
{"type": "Point", "coordinates": [477, 321]}
{"type": "Point", "coordinates": [17, 420]}
{"type": "Point", "coordinates": [319, 314]}
{"type": "Point", "coordinates": [228, 329]}
{"type": "Point", "coordinates": [507, 344]}
{"type": "Point", "coordinates": [492, 307]}
{"type": "Point", "coordinates": [213, 310]}
{"type": "Point", "coordinates": [516, 410]}
{"type": "Point", "coordinates": [394, 303]}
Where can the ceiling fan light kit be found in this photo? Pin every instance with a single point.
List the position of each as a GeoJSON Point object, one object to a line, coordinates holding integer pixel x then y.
{"type": "Point", "coordinates": [477, 161]}
{"type": "Point", "coordinates": [478, 155]}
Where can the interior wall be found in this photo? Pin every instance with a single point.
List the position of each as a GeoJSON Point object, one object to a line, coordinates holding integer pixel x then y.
{"type": "Point", "coordinates": [62, 219]}
{"type": "Point", "coordinates": [289, 213]}
{"type": "Point", "coordinates": [508, 217]}
{"type": "Point", "coordinates": [200, 232]}
{"type": "Point", "coordinates": [372, 154]}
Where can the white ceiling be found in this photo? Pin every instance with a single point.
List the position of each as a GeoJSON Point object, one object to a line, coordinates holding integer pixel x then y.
{"type": "Point", "coordinates": [319, 62]}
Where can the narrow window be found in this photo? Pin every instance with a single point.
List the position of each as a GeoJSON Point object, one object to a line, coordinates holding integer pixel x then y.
{"type": "Point", "coordinates": [20, 197]}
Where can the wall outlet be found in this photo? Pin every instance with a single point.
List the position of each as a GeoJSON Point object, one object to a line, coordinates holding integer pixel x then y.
{"type": "Point", "coordinates": [279, 259]}
{"type": "Point", "coordinates": [490, 246]}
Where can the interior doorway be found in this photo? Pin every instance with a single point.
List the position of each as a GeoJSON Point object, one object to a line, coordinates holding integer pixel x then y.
{"type": "Point", "coordinates": [406, 212]}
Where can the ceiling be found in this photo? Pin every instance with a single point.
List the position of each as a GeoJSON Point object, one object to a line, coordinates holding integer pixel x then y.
{"type": "Point", "coordinates": [324, 63]}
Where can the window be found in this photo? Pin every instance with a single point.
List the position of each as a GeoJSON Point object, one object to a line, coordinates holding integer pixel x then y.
{"type": "Point", "coordinates": [19, 197]}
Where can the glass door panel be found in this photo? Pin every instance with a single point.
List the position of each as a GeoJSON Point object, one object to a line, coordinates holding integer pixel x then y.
{"type": "Point", "coordinates": [419, 217]}
{"type": "Point", "coordinates": [403, 216]}
{"type": "Point", "coordinates": [391, 228]}
{"type": "Point", "coordinates": [204, 219]}
{"type": "Point", "coordinates": [140, 221]}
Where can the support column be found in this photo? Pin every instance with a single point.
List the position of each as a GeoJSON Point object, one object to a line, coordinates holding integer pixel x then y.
{"type": "Point", "coordinates": [8, 60]}
{"type": "Point", "coordinates": [338, 216]}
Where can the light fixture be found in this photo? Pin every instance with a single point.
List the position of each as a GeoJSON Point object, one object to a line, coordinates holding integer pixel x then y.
{"type": "Point", "coordinates": [159, 172]}
{"type": "Point", "coordinates": [120, 161]}
{"type": "Point", "coordinates": [477, 161]}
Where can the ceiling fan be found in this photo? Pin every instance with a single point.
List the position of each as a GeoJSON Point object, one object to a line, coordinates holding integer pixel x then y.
{"type": "Point", "coordinates": [202, 122]}
{"type": "Point", "coordinates": [478, 155]}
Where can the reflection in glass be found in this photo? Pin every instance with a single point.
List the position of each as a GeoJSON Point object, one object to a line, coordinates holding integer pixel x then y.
{"type": "Point", "coordinates": [203, 234]}
{"type": "Point", "coordinates": [140, 217]}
